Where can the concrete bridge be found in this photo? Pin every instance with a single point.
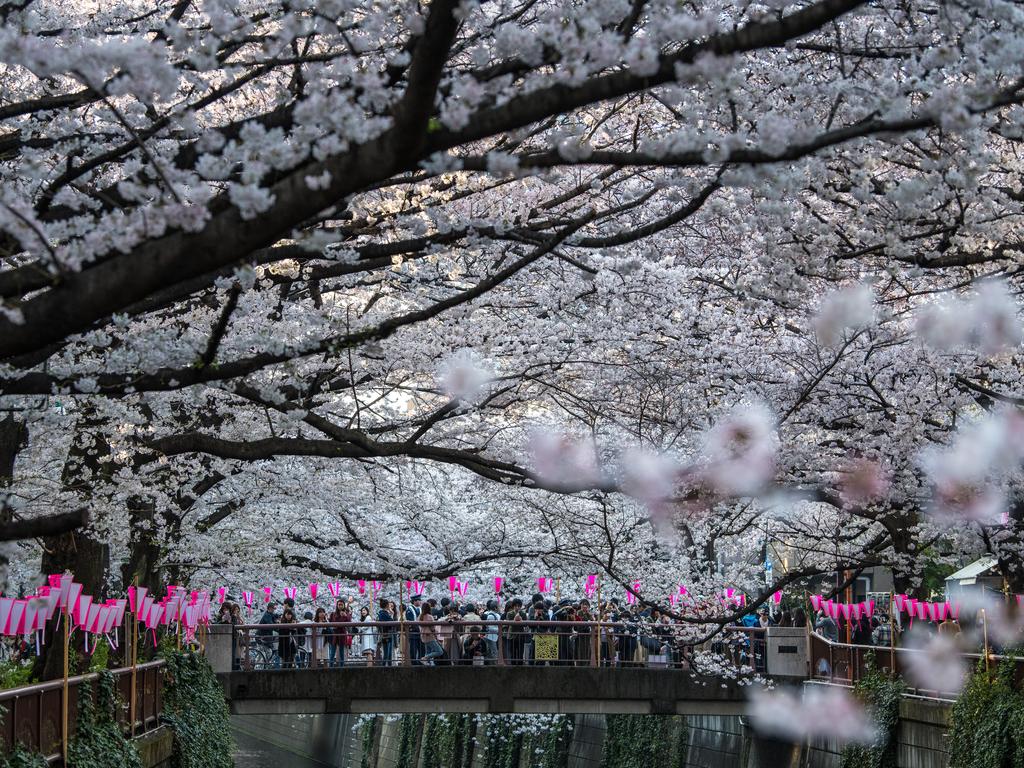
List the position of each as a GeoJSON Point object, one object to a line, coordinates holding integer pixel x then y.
{"type": "Point", "coordinates": [243, 658]}
{"type": "Point", "coordinates": [568, 690]}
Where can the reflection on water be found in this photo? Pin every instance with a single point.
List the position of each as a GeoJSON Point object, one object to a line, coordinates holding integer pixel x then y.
{"type": "Point", "coordinates": [254, 752]}
{"type": "Point", "coordinates": [296, 741]}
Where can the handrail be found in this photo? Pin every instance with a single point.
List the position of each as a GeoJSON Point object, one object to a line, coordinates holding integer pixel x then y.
{"type": "Point", "coordinates": [978, 655]}
{"type": "Point", "coordinates": [52, 685]}
{"type": "Point", "coordinates": [481, 623]}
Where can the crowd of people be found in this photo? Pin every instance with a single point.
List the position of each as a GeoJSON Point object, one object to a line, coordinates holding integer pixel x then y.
{"type": "Point", "coordinates": [444, 631]}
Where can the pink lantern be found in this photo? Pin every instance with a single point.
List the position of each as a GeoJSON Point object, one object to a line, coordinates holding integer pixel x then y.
{"type": "Point", "coordinates": [221, 594]}
{"type": "Point", "coordinates": [334, 587]}
{"type": "Point", "coordinates": [777, 597]}
{"type": "Point", "coordinates": [6, 604]}
{"type": "Point", "coordinates": [816, 602]}
{"type": "Point", "coordinates": [289, 593]}
{"type": "Point", "coordinates": [314, 588]}
{"type": "Point", "coordinates": [267, 592]}
{"type": "Point", "coordinates": [16, 622]}
{"type": "Point", "coordinates": [498, 581]}
{"type": "Point", "coordinates": [247, 598]}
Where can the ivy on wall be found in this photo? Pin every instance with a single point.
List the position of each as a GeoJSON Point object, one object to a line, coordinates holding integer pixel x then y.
{"type": "Point", "coordinates": [21, 758]}
{"type": "Point", "coordinates": [99, 741]}
{"type": "Point", "coordinates": [640, 741]}
{"type": "Point", "coordinates": [194, 707]}
{"type": "Point", "coordinates": [408, 730]}
{"type": "Point", "coordinates": [881, 695]}
{"type": "Point", "coordinates": [452, 741]}
{"type": "Point", "coordinates": [988, 721]}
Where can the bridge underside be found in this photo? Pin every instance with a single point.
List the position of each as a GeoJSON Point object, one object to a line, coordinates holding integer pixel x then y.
{"type": "Point", "coordinates": [578, 690]}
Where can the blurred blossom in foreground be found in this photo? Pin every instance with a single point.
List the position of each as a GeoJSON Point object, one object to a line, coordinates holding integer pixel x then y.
{"type": "Point", "coordinates": [987, 322]}
{"type": "Point", "coordinates": [562, 461]}
{"type": "Point", "coordinates": [966, 474]}
{"type": "Point", "coordinates": [935, 662]}
{"type": "Point", "coordinates": [464, 375]}
{"type": "Point", "coordinates": [852, 307]}
{"type": "Point", "coordinates": [741, 452]}
{"type": "Point", "coordinates": [1003, 621]}
{"type": "Point", "coordinates": [821, 712]}
{"type": "Point", "coordinates": [648, 476]}
{"type": "Point", "coordinates": [862, 482]}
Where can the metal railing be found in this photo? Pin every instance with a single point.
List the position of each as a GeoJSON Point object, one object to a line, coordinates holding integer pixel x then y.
{"type": "Point", "coordinates": [846, 664]}
{"type": "Point", "coordinates": [480, 643]}
{"type": "Point", "coordinates": [33, 715]}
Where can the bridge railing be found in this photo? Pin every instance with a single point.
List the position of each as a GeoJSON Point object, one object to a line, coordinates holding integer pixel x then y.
{"type": "Point", "coordinates": [483, 642]}
{"type": "Point", "coordinates": [33, 714]}
{"type": "Point", "coordinates": [846, 664]}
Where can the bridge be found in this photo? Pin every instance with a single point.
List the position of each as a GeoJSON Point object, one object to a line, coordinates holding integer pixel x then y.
{"type": "Point", "coordinates": [571, 672]}
{"type": "Point", "coordinates": [572, 679]}
{"type": "Point", "coordinates": [565, 690]}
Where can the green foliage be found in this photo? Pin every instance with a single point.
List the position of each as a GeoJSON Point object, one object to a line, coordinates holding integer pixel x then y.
{"type": "Point", "coordinates": [21, 758]}
{"type": "Point", "coordinates": [369, 737]}
{"type": "Point", "coordinates": [99, 741]}
{"type": "Point", "coordinates": [881, 694]}
{"type": "Point", "coordinates": [408, 730]}
{"type": "Point", "coordinates": [988, 721]}
{"type": "Point", "coordinates": [639, 741]}
{"type": "Point", "coordinates": [14, 674]}
{"type": "Point", "coordinates": [194, 707]}
{"type": "Point", "coordinates": [99, 658]}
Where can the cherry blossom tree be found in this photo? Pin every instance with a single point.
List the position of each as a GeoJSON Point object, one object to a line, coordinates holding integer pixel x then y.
{"type": "Point", "coordinates": [386, 290]}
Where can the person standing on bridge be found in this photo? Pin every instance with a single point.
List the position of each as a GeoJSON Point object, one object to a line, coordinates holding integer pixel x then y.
{"type": "Point", "coordinates": [491, 632]}
{"type": "Point", "coordinates": [286, 639]}
{"type": "Point", "coordinates": [367, 639]}
{"type": "Point", "coordinates": [341, 637]}
{"type": "Point", "coordinates": [386, 634]}
{"type": "Point", "coordinates": [427, 632]}
{"type": "Point", "coordinates": [266, 636]}
{"type": "Point", "coordinates": [413, 615]}
{"type": "Point", "coordinates": [826, 627]}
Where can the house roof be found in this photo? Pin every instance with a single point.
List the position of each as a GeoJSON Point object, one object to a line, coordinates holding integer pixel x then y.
{"type": "Point", "coordinates": [974, 570]}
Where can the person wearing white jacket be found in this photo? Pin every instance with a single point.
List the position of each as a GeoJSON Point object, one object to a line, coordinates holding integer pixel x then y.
{"type": "Point", "coordinates": [367, 638]}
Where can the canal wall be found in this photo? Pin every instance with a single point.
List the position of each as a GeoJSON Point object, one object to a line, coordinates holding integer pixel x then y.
{"type": "Point", "coordinates": [571, 741]}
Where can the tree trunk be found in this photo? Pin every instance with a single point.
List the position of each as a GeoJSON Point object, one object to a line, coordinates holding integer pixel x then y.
{"type": "Point", "coordinates": [78, 552]}
{"type": "Point", "coordinates": [13, 437]}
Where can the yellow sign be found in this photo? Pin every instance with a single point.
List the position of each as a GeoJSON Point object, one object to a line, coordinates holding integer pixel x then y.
{"type": "Point", "coordinates": [545, 647]}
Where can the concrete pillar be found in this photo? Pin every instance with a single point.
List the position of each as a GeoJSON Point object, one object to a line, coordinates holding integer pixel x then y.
{"type": "Point", "coordinates": [218, 647]}
{"type": "Point", "coordinates": [390, 741]}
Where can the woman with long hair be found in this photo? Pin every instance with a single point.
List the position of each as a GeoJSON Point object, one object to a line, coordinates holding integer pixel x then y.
{"type": "Point", "coordinates": [367, 636]}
